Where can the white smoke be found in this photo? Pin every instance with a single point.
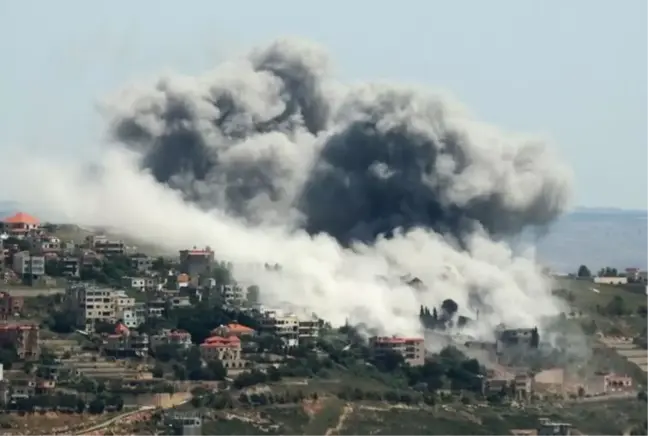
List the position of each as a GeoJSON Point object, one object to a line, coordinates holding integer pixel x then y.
{"type": "Point", "coordinates": [362, 283]}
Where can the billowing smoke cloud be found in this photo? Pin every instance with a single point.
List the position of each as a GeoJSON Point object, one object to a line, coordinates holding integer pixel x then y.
{"type": "Point", "coordinates": [263, 134]}
{"type": "Point", "coordinates": [349, 188]}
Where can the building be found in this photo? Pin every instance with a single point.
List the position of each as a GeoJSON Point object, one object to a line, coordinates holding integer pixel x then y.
{"type": "Point", "coordinates": [234, 295]}
{"type": "Point", "coordinates": [523, 384]}
{"type": "Point", "coordinates": [10, 305]}
{"type": "Point", "coordinates": [196, 262]}
{"type": "Point", "coordinates": [92, 304]}
{"type": "Point", "coordinates": [516, 338]}
{"type": "Point", "coordinates": [140, 283]}
{"type": "Point", "coordinates": [309, 328]}
{"type": "Point", "coordinates": [27, 265]}
{"type": "Point", "coordinates": [20, 224]}
{"type": "Point", "coordinates": [548, 427]}
{"type": "Point", "coordinates": [233, 329]}
{"type": "Point", "coordinates": [133, 317]}
{"type": "Point", "coordinates": [180, 301]}
{"type": "Point", "coordinates": [412, 349]}
{"type": "Point", "coordinates": [226, 349]}
{"type": "Point", "coordinates": [185, 424]}
{"type": "Point", "coordinates": [286, 326]}
{"type": "Point", "coordinates": [102, 245]}
{"type": "Point", "coordinates": [142, 263]}
{"type": "Point", "coordinates": [605, 383]}
{"type": "Point", "coordinates": [124, 343]}
{"type": "Point", "coordinates": [121, 300]}
{"type": "Point", "coordinates": [611, 280]}
{"type": "Point", "coordinates": [178, 338]}
{"type": "Point", "coordinates": [71, 266]}
{"type": "Point", "coordinates": [23, 337]}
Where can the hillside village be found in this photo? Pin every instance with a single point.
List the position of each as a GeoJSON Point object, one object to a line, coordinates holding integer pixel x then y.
{"type": "Point", "coordinates": [94, 326]}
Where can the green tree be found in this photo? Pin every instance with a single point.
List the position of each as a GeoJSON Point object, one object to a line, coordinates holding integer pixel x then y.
{"type": "Point", "coordinates": [616, 307]}
{"type": "Point", "coordinates": [583, 271]}
{"type": "Point", "coordinates": [158, 371]}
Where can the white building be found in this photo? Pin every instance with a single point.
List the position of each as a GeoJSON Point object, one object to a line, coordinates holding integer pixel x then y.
{"type": "Point", "coordinates": [25, 264]}
{"type": "Point", "coordinates": [133, 317]}
{"type": "Point", "coordinates": [234, 295]}
{"type": "Point", "coordinates": [92, 304]}
{"type": "Point", "coordinates": [292, 328]}
{"type": "Point", "coordinates": [611, 280]}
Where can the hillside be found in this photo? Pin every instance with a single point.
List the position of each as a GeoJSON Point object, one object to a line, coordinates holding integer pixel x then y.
{"type": "Point", "coordinates": [329, 415]}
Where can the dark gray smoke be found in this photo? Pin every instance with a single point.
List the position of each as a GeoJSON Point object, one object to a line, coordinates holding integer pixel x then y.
{"type": "Point", "coordinates": [274, 137]}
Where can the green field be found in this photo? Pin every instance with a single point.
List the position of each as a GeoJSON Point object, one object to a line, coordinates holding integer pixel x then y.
{"type": "Point", "coordinates": [587, 299]}
{"type": "Point", "coordinates": [610, 417]}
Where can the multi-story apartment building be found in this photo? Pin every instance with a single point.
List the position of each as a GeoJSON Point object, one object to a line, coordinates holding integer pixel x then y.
{"type": "Point", "coordinates": [178, 338]}
{"type": "Point", "coordinates": [140, 283]}
{"type": "Point", "coordinates": [196, 262]}
{"type": "Point", "coordinates": [234, 295]}
{"type": "Point", "coordinates": [106, 247]}
{"type": "Point", "coordinates": [309, 328]}
{"type": "Point", "coordinates": [19, 224]}
{"type": "Point", "coordinates": [122, 300]}
{"type": "Point", "coordinates": [133, 317]}
{"type": "Point", "coordinates": [292, 328]}
{"type": "Point", "coordinates": [23, 337]}
{"type": "Point", "coordinates": [71, 266]}
{"type": "Point", "coordinates": [28, 265]}
{"type": "Point", "coordinates": [226, 349]}
{"type": "Point", "coordinates": [285, 326]}
{"type": "Point", "coordinates": [412, 349]}
{"type": "Point", "coordinates": [126, 343]}
{"type": "Point", "coordinates": [9, 305]}
{"type": "Point", "coordinates": [92, 304]}
{"type": "Point", "coordinates": [142, 263]}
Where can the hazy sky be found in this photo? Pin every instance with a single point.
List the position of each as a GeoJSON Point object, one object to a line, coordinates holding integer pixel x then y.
{"type": "Point", "coordinates": [574, 70]}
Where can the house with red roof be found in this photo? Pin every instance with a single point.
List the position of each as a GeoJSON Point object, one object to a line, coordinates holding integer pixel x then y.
{"type": "Point", "coordinates": [125, 343]}
{"type": "Point", "coordinates": [176, 338]}
{"type": "Point", "coordinates": [227, 349]}
{"type": "Point", "coordinates": [234, 329]}
{"type": "Point", "coordinates": [19, 224]}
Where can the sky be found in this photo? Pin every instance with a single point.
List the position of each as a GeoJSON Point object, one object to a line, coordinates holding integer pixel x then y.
{"type": "Point", "coordinates": [573, 71]}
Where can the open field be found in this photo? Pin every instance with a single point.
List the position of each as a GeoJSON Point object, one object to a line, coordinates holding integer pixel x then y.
{"type": "Point", "coordinates": [329, 416]}
{"type": "Point", "coordinates": [588, 294]}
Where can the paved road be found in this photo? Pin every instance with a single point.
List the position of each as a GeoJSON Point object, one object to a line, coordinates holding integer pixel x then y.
{"type": "Point", "coordinates": [113, 420]}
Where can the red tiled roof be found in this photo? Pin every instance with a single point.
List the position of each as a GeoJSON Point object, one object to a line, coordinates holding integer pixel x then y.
{"type": "Point", "coordinates": [121, 329]}
{"type": "Point", "coordinates": [239, 328]}
{"type": "Point", "coordinates": [220, 341]}
{"type": "Point", "coordinates": [21, 218]}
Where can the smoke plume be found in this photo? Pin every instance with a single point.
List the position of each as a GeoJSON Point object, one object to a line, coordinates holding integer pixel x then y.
{"type": "Point", "coordinates": [348, 187]}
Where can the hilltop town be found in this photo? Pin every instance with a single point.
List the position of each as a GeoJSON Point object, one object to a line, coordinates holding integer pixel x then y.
{"type": "Point", "coordinates": [101, 337]}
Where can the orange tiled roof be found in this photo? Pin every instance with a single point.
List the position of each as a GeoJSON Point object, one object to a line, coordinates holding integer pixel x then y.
{"type": "Point", "coordinates": [220, 341]}
{"type": "Point", "coordinates": [21, 218]}
{"type": "Point", "coordinates": [239, 328]}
